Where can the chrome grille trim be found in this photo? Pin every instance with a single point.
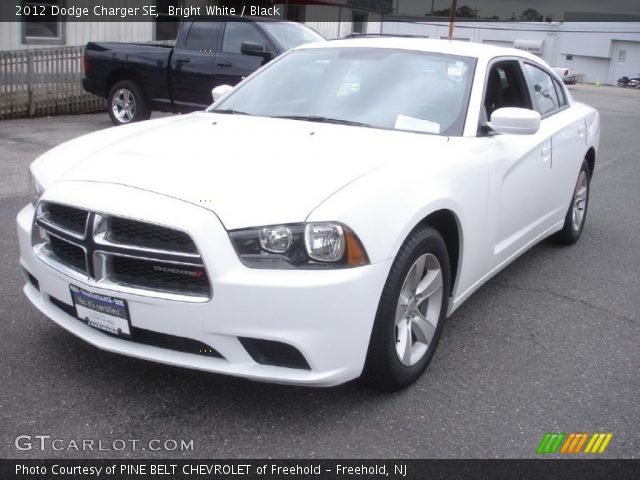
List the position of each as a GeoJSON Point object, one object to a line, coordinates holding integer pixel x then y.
{"type": "Point", "coordinates": [99, 252]}
{"type": "Point", "coordinates": [44, 220]}
{"type": "Point", "coordinates": [100, 238]}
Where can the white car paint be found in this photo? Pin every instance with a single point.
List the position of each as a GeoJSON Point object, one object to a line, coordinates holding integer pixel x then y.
{"type": "Point", "coordinates": [207, 173]}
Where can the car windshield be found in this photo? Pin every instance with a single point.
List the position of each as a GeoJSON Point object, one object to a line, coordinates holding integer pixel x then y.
{"type": "Point", "coordinates": [376, 87]}
{"type": "Point", "coordinates": [290, 35]}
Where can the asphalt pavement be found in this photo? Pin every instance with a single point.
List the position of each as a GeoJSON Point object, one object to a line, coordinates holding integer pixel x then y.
{"type": "Point", "coordinates": [551, 344]}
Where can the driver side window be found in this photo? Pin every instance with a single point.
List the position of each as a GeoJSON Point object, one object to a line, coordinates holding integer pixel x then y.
{"type": "Point", "coordinates": [235, 33]}
{"type": "Point", "coordinates": [506, 87]}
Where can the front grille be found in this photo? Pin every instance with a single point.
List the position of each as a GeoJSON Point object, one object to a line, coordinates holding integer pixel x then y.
{"type": "Point", "coordinates": [131, 232]}
{"type": "Point", "coordinates": [120, 251]}
{"type": "Point", "coordinates": [151, 274]}
{"type": "Point", "coordinates": [65, 217]}
{"type": "Point", "coordinates": [151, 338]}
{"type": "Point", "coordinates": [68, 253]}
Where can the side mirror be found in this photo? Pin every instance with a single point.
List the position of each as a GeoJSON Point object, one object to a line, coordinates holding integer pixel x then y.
{"type": "Point", "coordinates": [255, 50]}
{"type": "Point", "coordinates": [219, 91]}
{"type": "Point", "coordinates": [518, 121]}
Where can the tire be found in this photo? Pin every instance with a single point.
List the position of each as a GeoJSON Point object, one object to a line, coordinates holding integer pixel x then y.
{"type": "Point", "coordinates": [126, 103]}
{"type": "Point", "coordinates": [577, 214]}
{"type": "Point", "coordinates": [397, 353]}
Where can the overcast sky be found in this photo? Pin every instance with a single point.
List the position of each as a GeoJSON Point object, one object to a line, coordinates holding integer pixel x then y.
{"type": "Point", "coordinates": [505, 8]}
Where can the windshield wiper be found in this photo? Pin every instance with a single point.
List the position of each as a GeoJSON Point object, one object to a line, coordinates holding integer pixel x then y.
{"type": "Point", "coordinates": [229, 111]}
{"type": "Point", "coordinates": [315, 118]}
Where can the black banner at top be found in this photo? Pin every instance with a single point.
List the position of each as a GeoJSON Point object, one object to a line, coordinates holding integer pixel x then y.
{"type": "Point", "coordinates": [46, 11]}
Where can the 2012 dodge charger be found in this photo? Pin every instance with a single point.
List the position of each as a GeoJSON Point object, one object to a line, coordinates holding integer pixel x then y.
{"type": "Point", "coordinates": [319, 221]}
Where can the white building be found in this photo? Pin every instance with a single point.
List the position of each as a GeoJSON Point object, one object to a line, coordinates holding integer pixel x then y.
{"type": "Point", "coordinates": [598, 51]}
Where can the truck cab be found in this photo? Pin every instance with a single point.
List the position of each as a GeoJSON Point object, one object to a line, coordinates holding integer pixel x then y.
{"type": "Point", "coordinates": [137, 78]}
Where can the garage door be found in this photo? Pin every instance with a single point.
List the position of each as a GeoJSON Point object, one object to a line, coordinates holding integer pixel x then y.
{"type": "Point", "coordinates": [626, 60]}
{"type": "Point", "coordinates": [592, 69]}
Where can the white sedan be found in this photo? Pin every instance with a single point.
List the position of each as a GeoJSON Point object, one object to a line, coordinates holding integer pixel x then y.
{"type": "Point", "coordinates": [320, 220]}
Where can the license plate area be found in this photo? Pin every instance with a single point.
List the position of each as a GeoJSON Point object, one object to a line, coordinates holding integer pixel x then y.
{"type": "Point", "coordinates": [105, 313]}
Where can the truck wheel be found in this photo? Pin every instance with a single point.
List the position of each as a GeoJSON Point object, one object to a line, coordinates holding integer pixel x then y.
{"type": "Point", "coordinates": [127, 103]}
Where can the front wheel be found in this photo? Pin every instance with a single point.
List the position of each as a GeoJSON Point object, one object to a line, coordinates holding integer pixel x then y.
{"type": "Point", "coordinates": [577, 214]}
{"type": "Point", "coordinates": [411, 312]}
{"type": "Point", "coordinates": [127, 103]}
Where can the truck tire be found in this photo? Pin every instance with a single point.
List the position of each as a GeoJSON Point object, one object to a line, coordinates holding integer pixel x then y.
{"type": "Point", "coordinates": [126, 103]}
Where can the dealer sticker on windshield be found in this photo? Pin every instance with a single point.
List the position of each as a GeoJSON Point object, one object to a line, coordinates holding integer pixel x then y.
{"type": "Point", "coordinates": [105, 313]}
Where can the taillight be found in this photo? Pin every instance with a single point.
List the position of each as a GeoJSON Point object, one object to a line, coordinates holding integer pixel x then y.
{"type": "Point", "coordinates": [85, 63]}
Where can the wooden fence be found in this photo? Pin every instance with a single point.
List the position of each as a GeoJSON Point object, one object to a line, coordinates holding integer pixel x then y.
{"type": "Point", "coordinates": [44, 82]}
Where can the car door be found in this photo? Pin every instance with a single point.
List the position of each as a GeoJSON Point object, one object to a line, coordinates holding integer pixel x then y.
{"type": "Point", "coordinates": [520, 169]}
{"type": "Point", "coordinates": [231, 65]}
{"type": "Point", "coordinates": [567, 128]}
{"type": "Point", "coordinates": [192, 65]}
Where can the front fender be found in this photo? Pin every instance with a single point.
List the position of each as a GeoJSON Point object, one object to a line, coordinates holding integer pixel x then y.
{"type": "Point", "coordinates": [384, 206]}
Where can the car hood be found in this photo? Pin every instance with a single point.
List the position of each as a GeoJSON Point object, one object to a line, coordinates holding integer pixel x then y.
{"type": "Point", "coordinates": [248, 170]}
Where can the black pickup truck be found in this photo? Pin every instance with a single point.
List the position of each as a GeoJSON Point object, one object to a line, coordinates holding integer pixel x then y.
{"type": "Point", "coordinates": [138, 78]}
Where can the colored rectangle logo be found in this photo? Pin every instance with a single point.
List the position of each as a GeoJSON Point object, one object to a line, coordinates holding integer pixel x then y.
{"type": "Point", "coordinates": [574, 443]}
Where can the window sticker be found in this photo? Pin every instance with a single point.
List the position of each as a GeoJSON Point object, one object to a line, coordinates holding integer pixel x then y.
{"type": "Point", "coordinates": [404, 122]}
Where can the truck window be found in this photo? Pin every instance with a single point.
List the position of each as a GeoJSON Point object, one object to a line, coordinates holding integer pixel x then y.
{"type": "Point", "coordinates": [202, 36]}
{"type": "Point", "coordinates": [237, 32]}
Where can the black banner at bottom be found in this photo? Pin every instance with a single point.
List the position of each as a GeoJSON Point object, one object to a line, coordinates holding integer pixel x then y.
{"type": "Point", "coordinates": [317, 469]}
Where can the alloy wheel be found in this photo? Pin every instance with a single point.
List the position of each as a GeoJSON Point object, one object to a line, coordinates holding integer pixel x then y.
{"type": "Point", "coordinates": [580, 201]}
{"type": "Point", "coordinates": [124, 105]}
{"type": "Point", "coordinates": [418, 309]}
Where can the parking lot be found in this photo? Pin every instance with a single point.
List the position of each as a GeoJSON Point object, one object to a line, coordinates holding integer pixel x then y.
{"type": "Point", "coordinates": [551, 344]}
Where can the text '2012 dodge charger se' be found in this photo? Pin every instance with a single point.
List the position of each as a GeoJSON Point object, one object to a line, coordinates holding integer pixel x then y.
{"type": "Point", "coordinates": [320, 220]}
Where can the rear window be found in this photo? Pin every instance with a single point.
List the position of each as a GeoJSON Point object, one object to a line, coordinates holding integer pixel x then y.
{"type": "Point", "coordinates": [202, 35]}
{"type": "Point", "coordinates": [544, 91]}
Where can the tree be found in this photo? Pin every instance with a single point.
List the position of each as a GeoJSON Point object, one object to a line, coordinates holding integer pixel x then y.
{"type": "Point", "coordinates": [441, 13]}
{"type": "Point", "coordinates": [462, 12]}
{"type": "Point", "coordinates": [531, 15]}
{"type": "Point", "coordinates": [465, 12]}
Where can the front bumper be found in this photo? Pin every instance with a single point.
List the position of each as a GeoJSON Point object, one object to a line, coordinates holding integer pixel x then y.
{"type": "Point", "coordinates": [326, 315]}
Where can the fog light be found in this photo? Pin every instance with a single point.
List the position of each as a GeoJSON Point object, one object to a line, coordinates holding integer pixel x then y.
{"type": "Point", "coordinates": [276, 239]}
{"type": "Point", "coordinates": [324, 241]}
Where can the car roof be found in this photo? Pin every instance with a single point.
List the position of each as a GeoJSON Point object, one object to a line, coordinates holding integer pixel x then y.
{"type": "Point", "coordinates": [481, 51]}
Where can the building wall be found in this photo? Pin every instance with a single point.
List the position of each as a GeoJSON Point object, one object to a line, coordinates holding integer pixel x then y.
{"type": "Point", "coordinates": [630, 67]}
{"type": "Point", "coordinates": [593, 46]}
{"type": "Point", "coordinates": [79, 33]}
{"type": "Point", "coordinates": [332, 21]}
{"type": "Point", "coordinates": [591, 69]}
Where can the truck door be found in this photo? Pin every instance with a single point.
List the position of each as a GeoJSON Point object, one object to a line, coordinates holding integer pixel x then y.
{"type": "Point", "coordinates": [192, 65]}
{"type": "Point", "coordinates": [231, 66]}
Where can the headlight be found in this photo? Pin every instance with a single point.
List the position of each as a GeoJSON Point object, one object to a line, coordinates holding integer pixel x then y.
{"type": "Point", "coordinates": [35, 189]}
{"type": "Point", "coordinates": [299, 245]}
{"type": "Point", "coordinates": [324, 241]}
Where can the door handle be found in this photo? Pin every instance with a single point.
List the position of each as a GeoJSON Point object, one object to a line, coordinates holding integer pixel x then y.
{"type": "Point", "coordinates": [183, 60]}
{"type": "Point", "coordinates": [546, 153]}
{"type": "Point", "coordinates": [223, 64]}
